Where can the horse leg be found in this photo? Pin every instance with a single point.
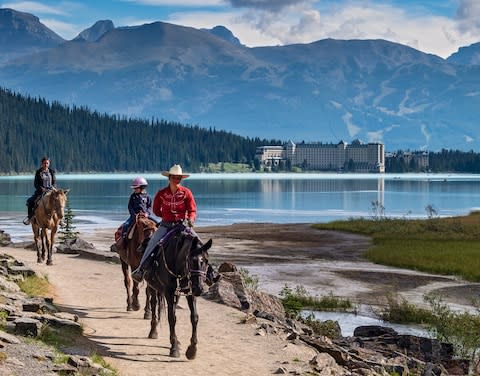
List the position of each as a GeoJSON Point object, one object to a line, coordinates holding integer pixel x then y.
{"type": "Point", "coordinates": [172, 320]}
{"type": "Point", "coordinates": [43, 236]}
{"type": "Point", "coordinates": [135, 292]}
{"type": "Point", "coordinates": [36, 239]}
{"type": "Point", "coordinates": [147, 315]}
{"type": "Point", "coordinates": [192, 349]}
{"type": "Point", "coordinates": [127, 281]}
{"type": "Point", "coordinates": [50, 244]}
{"type": "Point", "coordinates": [154, 321]}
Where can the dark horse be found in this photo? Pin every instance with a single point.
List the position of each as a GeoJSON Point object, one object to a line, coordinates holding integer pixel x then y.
{"type": "Point", "coordinates": [180, 268]}
{"type": "Point", "coordinates": [141, 229]}
{"type": "Point", "coordinates": [47, 216]}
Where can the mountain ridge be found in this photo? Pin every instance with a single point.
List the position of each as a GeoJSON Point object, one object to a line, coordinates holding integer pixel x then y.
{"type": "Point", "coordinates": [327, 90]}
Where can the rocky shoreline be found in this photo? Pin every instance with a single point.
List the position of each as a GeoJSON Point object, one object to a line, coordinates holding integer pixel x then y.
{"type": "Point", "coordinates": [23, 318]}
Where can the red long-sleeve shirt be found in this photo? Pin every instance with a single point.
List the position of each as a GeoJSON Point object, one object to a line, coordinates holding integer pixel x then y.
{"type": "Point", "coordinates": [175, 207]}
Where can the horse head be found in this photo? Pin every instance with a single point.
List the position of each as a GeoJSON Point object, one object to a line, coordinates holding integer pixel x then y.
{"type": "Point", "coordinates": [197, 264]}
{"type": "Point", "coordinates": [58, 201]}
{"type": "Point", "coordinates": [144, 229]}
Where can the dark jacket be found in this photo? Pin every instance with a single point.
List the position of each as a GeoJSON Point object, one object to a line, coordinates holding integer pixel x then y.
{"type": "Point", "coordinates": [39, 183]}
{"type": "Point", "coordinates": [140, 203]}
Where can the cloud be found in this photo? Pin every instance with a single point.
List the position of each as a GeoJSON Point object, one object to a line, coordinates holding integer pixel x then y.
{"type": "Point", "coordinates": [468, 17]}
{"type": "Point", "coordinates": [267, 5]}
{"type": "Point", "coordinates": [353, 129]}
{"type": "Point", "coordinates": [33, 8]}
{"type": "Point", "coordinates": [425, 132]}
{"type": "Point", "coordinates": [62, 28]}
{"type": "Point", "coordinates": [179, 3]}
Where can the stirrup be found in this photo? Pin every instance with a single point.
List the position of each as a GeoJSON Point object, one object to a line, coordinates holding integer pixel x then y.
{"type": "Point", "coordinates": [137, 275]}
{"type": "Point", "coordinates": [26, 221]}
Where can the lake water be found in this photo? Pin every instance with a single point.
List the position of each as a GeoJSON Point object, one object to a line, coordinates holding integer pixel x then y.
{"type": "Point", "coordinates": [100, 200]}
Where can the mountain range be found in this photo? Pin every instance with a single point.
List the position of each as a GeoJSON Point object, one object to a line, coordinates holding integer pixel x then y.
{"type": "Point", "coordinates": [325, 91]}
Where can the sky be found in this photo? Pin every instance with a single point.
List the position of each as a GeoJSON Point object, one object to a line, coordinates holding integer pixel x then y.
{"type": "Point", "coordinates": [438, 27]}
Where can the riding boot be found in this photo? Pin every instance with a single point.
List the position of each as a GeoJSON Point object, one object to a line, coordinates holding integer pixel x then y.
{"type": "Point", "coordinates": [27, 220]}
{"type": "Point", "coordinates": [139, 273]}
{"type": "Point", "coordinates": [212, 276]}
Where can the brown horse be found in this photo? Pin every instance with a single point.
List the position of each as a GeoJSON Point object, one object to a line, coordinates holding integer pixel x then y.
{"type": "Point", "coordinates": [142, 229]}
{"type": "Point", "coordinates": [47, 216]}
{"type": "Point", "coordinates": [180, 268]}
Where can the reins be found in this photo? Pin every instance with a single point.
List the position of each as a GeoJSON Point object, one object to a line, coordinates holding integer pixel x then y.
{"type": "Point", "coordinates": [179, 277]}
{"type": "Point", "coordinates": [48, 213]}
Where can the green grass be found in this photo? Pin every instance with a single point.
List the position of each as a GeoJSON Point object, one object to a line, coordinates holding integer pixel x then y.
{"type": "Point", "coordinates": [228, 167]}
{"type": "Point", "coordinates": [448, 246]}
{"type": "Point", "coordinates": [59, 338]}
{"type": "Point", "coordinates": [35, 286]}
{"type": "Point", "coordinates": [250, 281]}
{"type": "Point", "coordinates": [461, 329]}
{"type": "Point", "coordinates": [99, 360]}
{"type": "Point", "coordinates": [296, 300]}
{"type": "Point", "coordinates": [400, 311]}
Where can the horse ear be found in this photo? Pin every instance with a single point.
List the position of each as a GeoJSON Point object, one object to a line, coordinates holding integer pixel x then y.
{"type": "Point", "coordinates": [66, 190]}
{"type": "Point", "coordinates": [207, 245]}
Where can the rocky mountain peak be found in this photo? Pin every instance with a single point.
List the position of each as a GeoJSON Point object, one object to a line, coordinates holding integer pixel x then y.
{"type": "Point", "coordinates": [95, 32]}
{"type": "Point", "coordinates": [18, 27]}
{"type": "Point", "coordinates": [225, 34]}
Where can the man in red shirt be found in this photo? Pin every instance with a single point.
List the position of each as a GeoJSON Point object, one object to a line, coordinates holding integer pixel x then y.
{"type": "Point", "coordinates": [174, 204]}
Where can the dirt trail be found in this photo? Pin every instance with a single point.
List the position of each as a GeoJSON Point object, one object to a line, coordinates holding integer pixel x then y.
{"type": "Point", "coordinates": [94, 290]}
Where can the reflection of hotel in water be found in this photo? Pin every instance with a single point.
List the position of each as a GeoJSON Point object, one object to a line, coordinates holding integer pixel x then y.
{"type": "Point", "coordinates": [355, 157]}
{"type": "Point", "coordinates": [276, 186]}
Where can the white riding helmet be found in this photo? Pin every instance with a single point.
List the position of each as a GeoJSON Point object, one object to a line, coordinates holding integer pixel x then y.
{"type": "Point", "coordinates": [139, 181]}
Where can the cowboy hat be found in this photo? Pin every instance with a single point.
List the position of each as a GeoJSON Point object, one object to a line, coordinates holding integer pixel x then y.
{"type": "Point", "coordinates": [175, 170]}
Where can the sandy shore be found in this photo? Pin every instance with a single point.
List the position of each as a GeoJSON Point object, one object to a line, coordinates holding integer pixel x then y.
{"type": "Point", "coordinates": [321, 261]}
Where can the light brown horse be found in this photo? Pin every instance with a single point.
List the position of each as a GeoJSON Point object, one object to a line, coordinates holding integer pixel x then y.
{"type": "Point", "coordinates": [47, 216]}
{"type": "Point", "coordinates": [142, 229]}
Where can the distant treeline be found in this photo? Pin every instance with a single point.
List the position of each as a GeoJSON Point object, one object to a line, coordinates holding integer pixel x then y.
{"type": "Point", "coordinates": [442, 161]}
{"type": "Point", "coordinates": [81, 140]}
{"type": "Point", "coordinates": [454, 161]}
{"type": "Point", "coordinates": [78, 139]}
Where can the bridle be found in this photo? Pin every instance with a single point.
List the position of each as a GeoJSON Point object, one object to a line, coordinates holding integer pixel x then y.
{"type": "Point", "coordinates": [188, 271]}
{"type": "Point", "coordinates": [56, 207]}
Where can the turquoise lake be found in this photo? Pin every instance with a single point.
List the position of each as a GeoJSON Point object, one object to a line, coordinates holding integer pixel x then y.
{"type": "Point", "coordinates": [100, 200]}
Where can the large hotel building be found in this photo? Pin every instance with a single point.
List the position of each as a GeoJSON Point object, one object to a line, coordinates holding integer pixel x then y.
{"type": "Point", "coordinates": [354, 157]}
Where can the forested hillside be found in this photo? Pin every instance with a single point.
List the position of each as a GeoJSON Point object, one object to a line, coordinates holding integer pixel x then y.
{"type": "Point", "coordinates": [81, 140]}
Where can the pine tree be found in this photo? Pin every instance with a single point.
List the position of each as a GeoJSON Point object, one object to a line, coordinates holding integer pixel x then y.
{"type": "Point", "coordinates": [67, 229]}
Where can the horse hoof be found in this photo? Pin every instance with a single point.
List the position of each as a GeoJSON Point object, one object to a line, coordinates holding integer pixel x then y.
{"type": "Point", "coordinates": [147, 315]}
{"type": "Point", "coordinates": [39, 261]}
{"type": "Point", "coordinates": [191, 352]}
{"type": "Point", "coordinates": [129, 309]}
{"type": "Point", "coordinates": [136, 307]}
{"type": "Point", "coordinates": [153, 335]}
{"type": "Point", "coordinates": [49, 262]}
{"type": "Point", "coordinates": [174, 354]}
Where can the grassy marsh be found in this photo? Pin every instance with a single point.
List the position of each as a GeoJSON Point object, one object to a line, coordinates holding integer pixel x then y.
{"type": "Point", "coordinates": [448, 246]}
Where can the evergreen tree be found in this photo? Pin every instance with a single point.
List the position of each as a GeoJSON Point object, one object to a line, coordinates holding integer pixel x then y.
{"type": "Point", "coordinates": [67, 229]}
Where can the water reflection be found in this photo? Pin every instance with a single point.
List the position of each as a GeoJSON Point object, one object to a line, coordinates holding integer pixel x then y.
{"type": "Point", "coordinates": [273, 198]}
{"type": "Point", "coordinates": [349, 321]}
